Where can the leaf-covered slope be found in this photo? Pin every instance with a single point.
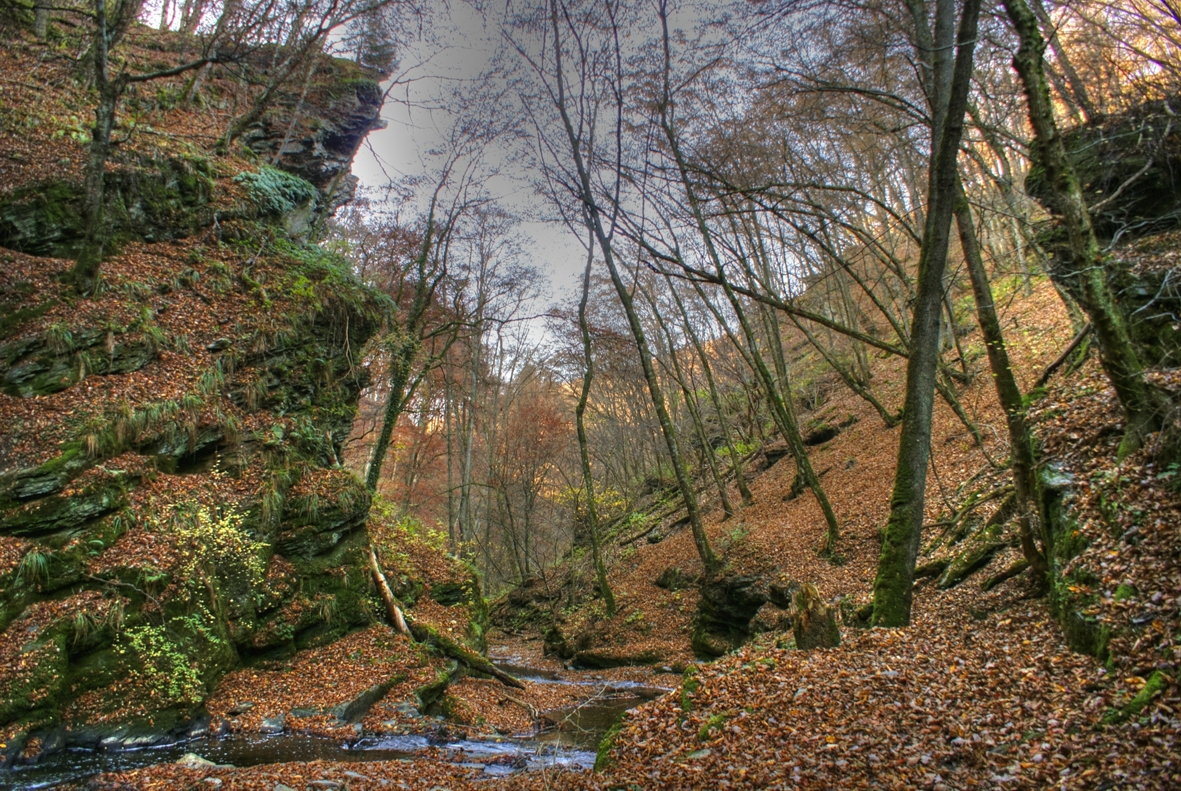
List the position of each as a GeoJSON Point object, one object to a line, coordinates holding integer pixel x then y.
{"type": "Point", "coordinates": [171, 499]}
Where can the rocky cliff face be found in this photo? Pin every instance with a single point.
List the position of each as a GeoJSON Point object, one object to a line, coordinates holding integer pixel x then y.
{"type": "Point", "coordinates": [172, 504]}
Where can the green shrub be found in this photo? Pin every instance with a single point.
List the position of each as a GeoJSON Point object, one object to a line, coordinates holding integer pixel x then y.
{"type": "Point", "coordinates": [277, 191]}
{"type": "Point", "coordinates": [165, 670]}
{"type": "Point", "coordinates": [217, 546]}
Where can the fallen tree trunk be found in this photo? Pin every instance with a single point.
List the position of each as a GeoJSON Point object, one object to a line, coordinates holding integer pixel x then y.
{"type": "Point", "coordinates": [423, 633]}
{"type": "Point", "coordinates": [387, 595]}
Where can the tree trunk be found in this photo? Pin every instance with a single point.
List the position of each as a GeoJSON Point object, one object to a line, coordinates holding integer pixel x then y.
{"type": "Point", "coordinates": [85, 272]}
{"type": "Point", "coordinates": [1081, 265]}
{"type": "Point", "coordinates": [41, 19]}
{"type": "Point", "coordinates": [893, 587]}
{"type": "Point", "coordinates": [1008, 393]}
{"type": "Point", "coordinates": [588, 373]}
{"type": "Point", "coordinates": [594, 221]}
{"type": "Point", "coordinates": [400, 362]}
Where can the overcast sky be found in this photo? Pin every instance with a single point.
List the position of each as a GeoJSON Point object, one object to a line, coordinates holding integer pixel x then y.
{"type": "Point", "coordinates": [414, 128]}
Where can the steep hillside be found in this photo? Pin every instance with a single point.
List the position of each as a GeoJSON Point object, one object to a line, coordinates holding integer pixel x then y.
{"type": "Point", "coordinates": [172, 505]}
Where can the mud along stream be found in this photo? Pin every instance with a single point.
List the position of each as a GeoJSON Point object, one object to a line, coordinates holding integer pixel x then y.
{"type": "Point", "coordinates": [561, 737]}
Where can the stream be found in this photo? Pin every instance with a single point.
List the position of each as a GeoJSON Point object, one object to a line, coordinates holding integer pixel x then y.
{"type": "Point", "coordinates": [571, 743]}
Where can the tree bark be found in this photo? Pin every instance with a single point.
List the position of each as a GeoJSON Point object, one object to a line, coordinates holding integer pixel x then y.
{"type": "Point", "coordinates": [894, 584]}
{"type": "Point", "coordinates": [1081, 266]}
{"type": "Point", "coordinates": [402, 359]}
{"type": "Point", "coordinates": [1008, 394]}
{"type": "Point", "coordinates": [85, 272]}
{"type": "Point", "coordinates": [588, 373]}
{"type": "Point", "coordinates": [41, 19]}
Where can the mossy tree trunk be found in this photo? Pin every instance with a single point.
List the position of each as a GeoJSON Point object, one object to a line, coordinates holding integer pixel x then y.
{"type": "Point", "coordinates": [894, 584]}
{"type": "Point", "coordinates": [110, 24]}
{"type": "Point", "coordinates": [1081, 266]}
{"type": "Point", "coordinates": [405, 352]}
{"type": "Point", "coordinates": [41, 19]}
{"type": "Point", "coordinates": [588, 373]}
{"type": "Point", "coordinates": [1008, 393]}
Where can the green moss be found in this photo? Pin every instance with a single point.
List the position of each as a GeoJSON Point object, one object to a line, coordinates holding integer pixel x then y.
{"type": "Point", "coordinates": [41, 680]}
{"type": "Point", "coordinates": [432, 691]}
{"type": "Point", "coordinates": [690, 683]}
{"type": "Point", "coordinates": [603, 760]}
{"type": "Point", "coordinates": [12, 317]}
{"type": "Point", "coordinates": [41, 219]}
{"type": "Point", "coordinates": [57, 513]}
{"type": "Point", "coordinates": [1124, 591]}
{"type": "Point", "coordinates": [715, 721]}
{"type": "Point", "coordinates": [1156, 682]}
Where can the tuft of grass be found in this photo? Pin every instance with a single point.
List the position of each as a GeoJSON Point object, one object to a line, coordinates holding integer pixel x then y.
{"type": "Point", "coordinates": [33, 571]}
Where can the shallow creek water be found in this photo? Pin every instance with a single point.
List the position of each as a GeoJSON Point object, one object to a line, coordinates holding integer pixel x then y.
{"type": "Point", "coordinates": [570, 742]}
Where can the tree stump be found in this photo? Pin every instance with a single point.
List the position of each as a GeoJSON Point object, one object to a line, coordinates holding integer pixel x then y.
{"type": "Point", "coordinates": [814, 622]}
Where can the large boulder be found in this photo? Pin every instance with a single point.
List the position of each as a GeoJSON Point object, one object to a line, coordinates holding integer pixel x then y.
{"type": "Point", "coordinates": [1138, 155]}
{"type": "Point", "coordinates": [726, 607]}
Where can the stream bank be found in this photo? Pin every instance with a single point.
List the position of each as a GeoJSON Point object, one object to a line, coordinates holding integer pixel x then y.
{"type": "Point", "coordinates": [569, 712]}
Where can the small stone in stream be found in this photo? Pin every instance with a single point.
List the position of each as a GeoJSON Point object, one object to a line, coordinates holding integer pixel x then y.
{"type": "Point", "coordinates": [273, 724]}
{"type": "Point", "coordinates": [194, 761]}
{"type": "Point", "coordinates": [699, 753]}
{"type": "Point", "coordinates": [358, 776]}
{"type": "Point", "coordinates": [282, 787]}
{"type": "Point", "coordinates": [814, 623]}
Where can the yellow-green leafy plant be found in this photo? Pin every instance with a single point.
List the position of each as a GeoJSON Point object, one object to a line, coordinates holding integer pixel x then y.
{"type": "Point", "coordinates": [215, 546]}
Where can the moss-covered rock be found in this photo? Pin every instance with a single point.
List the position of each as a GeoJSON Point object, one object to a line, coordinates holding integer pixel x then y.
{"type": "Point", "coordinates": [1138, 153]}
{"type": "Point", "coordinates": [727, 604]}
{"type": "Point", "coordinates": [977, 552]}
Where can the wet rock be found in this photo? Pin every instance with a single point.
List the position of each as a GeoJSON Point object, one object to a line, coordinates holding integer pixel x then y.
{"type": "Point", "coordinates": [607, 657]}
{"type": "Point", "coordinates": [273, 724]}
{"type": "Point", "coordinates": [724, 611]}
{"type": "Point", "coordinates": [194, 761]}
{"type": "Point", "coordinates": [358, 707]}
